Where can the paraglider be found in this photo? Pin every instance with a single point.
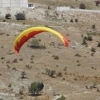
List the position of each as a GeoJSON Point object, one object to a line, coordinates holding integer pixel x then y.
{"type": "Point", "coordinates": [30, 32]}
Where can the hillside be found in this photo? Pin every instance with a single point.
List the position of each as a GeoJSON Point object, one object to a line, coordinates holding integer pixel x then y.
{"type": "Point", "coordinates": [77, 68]}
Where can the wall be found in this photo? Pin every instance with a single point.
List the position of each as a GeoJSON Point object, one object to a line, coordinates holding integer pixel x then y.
{"type": "Point", "coordinates": [13, 3]}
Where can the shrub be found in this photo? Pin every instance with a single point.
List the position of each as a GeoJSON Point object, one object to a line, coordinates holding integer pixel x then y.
{"type": "Point", "coordinates": [92, 54]}
{"type": "Point", "coordinates": [63, 78]}
{"type": "Point", "coordinates": [2, 57]}
{"type": "Point", "coordinates": [8, 66]}
{"type": "Point", "coordinates": [21, 92]}
{"type": "Point", "coordinates": [78, 64]}
{"type": "Point", "coordinates": [23, 75]}
{"type": "Point", "coordinates": [21, 59]}
{"type": "Point", "coordinates": [50, 72]}
{"type": "Point", "coordinates": [9, 85]}
{"type": "Point", "coordinates": [61, 98]}
{"type": "Point", "coordinates": [93, 86]}
{"type": "Point", "coordinates": [71, 20]}
{"type": "Point", "coordinates": [1, 46]}
{"type": "Point", "coordinates": [15, 61]}
{"type": "Point", "coordinates": [93, 49]}
{"type": "Point", "coordinates": [98, 44]}
{"type": "Point", "coordinates": [84, 42]}
{"type": "Point", "coordinates": [56, 57]}
{"type": "Point", "coordinates": [65, 68]}
{"type": "Point", "coordinates": [20, 16]}
{"type": "Point", "coordinates": [4, 20]}
{"type": "Point", "coordinates": [35, 87]}
{"type": "Point", "coordinates": [42, 47]}
{"type": "Point", "coordinates": [15, 69]}
{"type": "Point", "coordinates": [93, 26]}
{"type": "Point", "coordinates": [21, 97]}
{"type": "Point", "coordinates": [49, 7]}
{"type": "Point", "coordinates": [28, 66]}
{"type": "Point", "coordinates": [89, 38]}
{"type": "Point", "coordinates": [36, 44]}
{"type": "Point", "coordinates": [76, 20]}
{"type": "Point", "coordinates": [78, 55]}
{"type": "Point", "coordinates": [8, 62]}
{"type": "Point", "coordinates": [8, 16]}
{"type": "Point", "coordinates": [32, 62]}
{"type": "Point", "coordinates": [82, 6]}
{"type": "Point", "coordinates": [59, 74]}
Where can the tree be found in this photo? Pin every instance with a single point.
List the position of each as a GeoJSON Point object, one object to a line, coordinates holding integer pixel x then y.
{"type": "Point", "coordinates": [35, 87]}
{"type": "Point", "coordinates": [23, 75]}
{"type": "Point", "coordinates": [8, 16]}
{"type": "Point", "coordinates": [82, 6]}
{"type": "Point", "coordinates": [20, 16]}
{"type": "Point", "coordinates": [34, 43]}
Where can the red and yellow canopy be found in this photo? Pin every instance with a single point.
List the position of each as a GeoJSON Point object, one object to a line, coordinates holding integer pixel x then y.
{"type": "Point", "coordinates": [28, 33]}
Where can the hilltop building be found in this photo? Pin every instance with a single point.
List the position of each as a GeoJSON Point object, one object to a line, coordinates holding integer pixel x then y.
{"type": "Point", "coordinates": [15, 3]}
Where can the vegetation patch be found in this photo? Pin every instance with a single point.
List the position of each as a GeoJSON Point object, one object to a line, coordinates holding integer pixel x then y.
{"type": "Point", "coordinates": [35, 88]}
{"type": "Point", "coordinates": [20, 16]}
{"type": "Point", "coordinates": [35, 44]}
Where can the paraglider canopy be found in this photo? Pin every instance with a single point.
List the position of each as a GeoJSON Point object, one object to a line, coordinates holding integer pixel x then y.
{"type": "Point", "coordinates": [30, 32]}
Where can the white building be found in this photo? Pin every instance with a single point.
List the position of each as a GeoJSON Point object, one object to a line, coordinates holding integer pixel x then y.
{"type": "Point", "coordinates": [13, 3]}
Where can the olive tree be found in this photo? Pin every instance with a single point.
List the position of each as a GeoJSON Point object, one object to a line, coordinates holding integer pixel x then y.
{"type": "Point", "coordinates": [35, 88]}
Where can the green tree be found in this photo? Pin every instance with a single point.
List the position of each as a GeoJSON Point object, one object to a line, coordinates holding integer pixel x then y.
{"type": "Point", "coordinates": [82, 6]}
{"type": "Point", "coordinates": [35, 87]}
{"type": "Point", "coordinates": [20, 16]}
{"type": "Point", "coordinates": [34, 43]}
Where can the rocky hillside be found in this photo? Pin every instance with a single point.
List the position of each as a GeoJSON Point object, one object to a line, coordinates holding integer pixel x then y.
{"type": "Point", "coordinates": [77, 70]}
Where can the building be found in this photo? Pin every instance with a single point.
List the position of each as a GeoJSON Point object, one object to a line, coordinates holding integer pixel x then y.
{"type": "Point", "coordinates": [30, 4]}
{"type": "Point", "coordinates": [14, 3]}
